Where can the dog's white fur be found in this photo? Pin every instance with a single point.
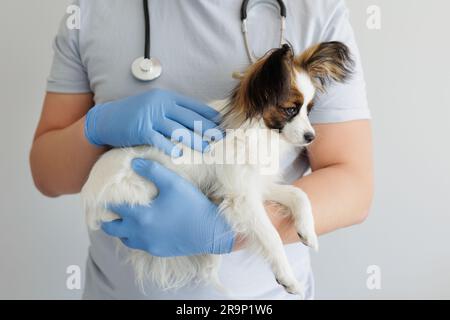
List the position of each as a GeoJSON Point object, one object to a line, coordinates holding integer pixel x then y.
{"type": "Point", "coordinates": [242, 189]}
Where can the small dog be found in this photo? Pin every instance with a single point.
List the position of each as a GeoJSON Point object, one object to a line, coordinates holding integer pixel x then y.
{"type": "Point", "coordinates": [275, 93]}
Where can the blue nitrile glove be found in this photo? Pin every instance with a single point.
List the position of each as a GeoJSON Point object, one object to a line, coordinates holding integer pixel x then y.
{"type": "Point", "coordinates": [148, 118]}
{"type": "Point", "coordinates": [180, 221]}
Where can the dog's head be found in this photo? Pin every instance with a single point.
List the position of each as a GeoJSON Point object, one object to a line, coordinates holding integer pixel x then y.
{"type": "Point", "coordinates": [279, 89]}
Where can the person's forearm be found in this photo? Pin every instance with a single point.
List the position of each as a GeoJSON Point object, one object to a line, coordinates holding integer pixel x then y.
{"type": "Point", "coordinates": [72, 157]}
{"type": "Point", "coordinates": [339, 195]}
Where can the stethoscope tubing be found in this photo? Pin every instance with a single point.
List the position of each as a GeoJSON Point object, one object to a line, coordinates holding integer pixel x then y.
{"type": "Point", "coordinates": [143, 67]}
{"type": "Point", "coordinates": [147, 29]}
{"type": "Point", "coordinates": [244, 9]}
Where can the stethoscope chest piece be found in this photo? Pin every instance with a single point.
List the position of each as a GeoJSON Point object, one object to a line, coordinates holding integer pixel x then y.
{"type": "Point", "coordinates": [146, 69]}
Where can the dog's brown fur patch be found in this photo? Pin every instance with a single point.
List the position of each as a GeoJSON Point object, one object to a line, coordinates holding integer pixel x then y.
{"type": "Point", "coordinates": [326, 62]}
{"type": "Point", "coordinates": [268, 88]}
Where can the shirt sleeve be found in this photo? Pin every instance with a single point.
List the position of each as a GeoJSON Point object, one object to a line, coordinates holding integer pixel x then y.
{"type": "Point", "coordinates": [67, 74]}
{"type": "Point", "coordinates": [344, 101]}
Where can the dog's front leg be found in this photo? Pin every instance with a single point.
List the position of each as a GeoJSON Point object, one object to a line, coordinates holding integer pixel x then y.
{"type": "Point", "coordinates": [262, 236]}
{"type": "Point", "coordinates": [299, 205]}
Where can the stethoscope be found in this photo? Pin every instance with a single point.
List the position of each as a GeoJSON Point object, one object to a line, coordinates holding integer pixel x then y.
{"type": "Point", "coordinates": [149, 68]}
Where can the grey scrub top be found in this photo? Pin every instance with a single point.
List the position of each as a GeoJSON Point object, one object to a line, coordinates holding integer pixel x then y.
{"type": "Point", "coordinates": [200, 44]}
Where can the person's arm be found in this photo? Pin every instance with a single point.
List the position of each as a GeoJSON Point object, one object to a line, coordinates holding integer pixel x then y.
{"type": "Point", "coordinates": [71, 135]}
{"type": "Point", "coordinates": [340, 186]}
{"type": "Point", "coordinates": [61, 157]}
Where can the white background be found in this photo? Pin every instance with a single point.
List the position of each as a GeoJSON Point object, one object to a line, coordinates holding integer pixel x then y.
{"type": "Point", "coordinates": [407, 234]}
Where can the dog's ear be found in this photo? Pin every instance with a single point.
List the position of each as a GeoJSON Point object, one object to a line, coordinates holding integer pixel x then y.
{"type": "Point", "coordinates": [269, 83]}
{"type": "Point", "coordinates": [326, 62]}
{"type": "Point", "coordinates": [265, 84]}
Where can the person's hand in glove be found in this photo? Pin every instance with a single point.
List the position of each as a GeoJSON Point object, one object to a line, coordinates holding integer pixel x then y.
{"type": "Point", "coordinates": [180, 221]}
{"type": "Point", "coordinates": [148, 119]}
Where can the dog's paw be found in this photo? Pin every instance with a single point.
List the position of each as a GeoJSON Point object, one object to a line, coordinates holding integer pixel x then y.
{"type": "Point", "coordinates": [305, 227]}
{"type": "Point", "coordinates": [292, 287]}
{"type": "Point", "coordinates": [309, 238]}
{"type": "Point", "coordinates": [96, 216]}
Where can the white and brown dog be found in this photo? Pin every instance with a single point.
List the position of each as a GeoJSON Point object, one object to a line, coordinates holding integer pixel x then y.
{"type": "Point", "coordinates": [276, 93]}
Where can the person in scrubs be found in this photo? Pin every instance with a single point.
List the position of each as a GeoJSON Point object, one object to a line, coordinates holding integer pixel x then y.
{"type": "Point", "coordinates": [93, 102]}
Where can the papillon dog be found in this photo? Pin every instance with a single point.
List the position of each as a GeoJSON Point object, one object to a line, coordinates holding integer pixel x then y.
{"type": "Point", "coordinates": [276, 93]}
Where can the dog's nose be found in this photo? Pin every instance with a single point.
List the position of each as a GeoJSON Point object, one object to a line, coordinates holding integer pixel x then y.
{"type": "Point", "coordinates": [309, 137]}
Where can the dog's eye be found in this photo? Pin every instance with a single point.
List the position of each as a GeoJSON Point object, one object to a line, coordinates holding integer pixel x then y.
{"type": "Point", "coordinates": [291, 112]}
